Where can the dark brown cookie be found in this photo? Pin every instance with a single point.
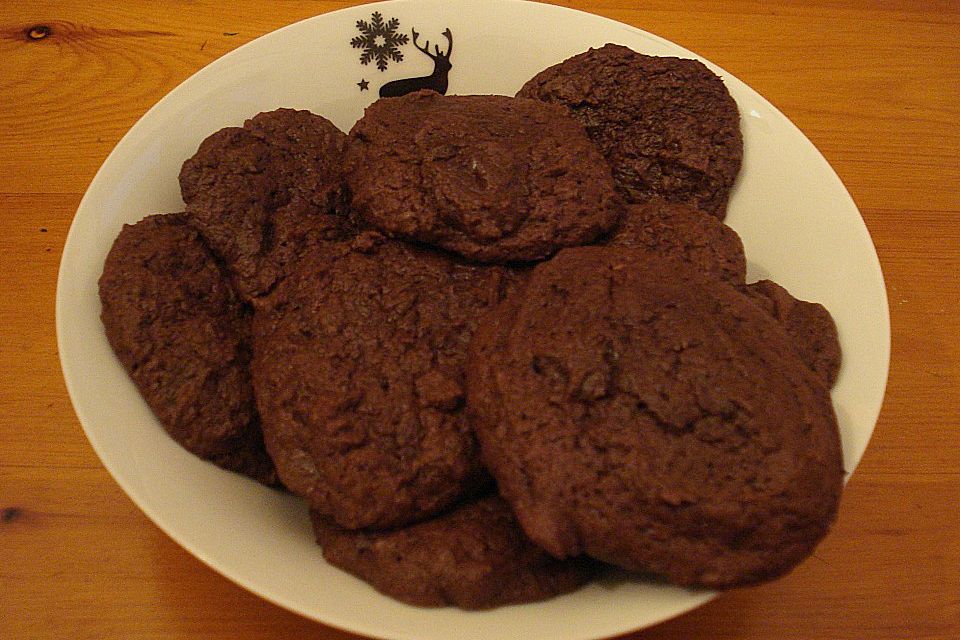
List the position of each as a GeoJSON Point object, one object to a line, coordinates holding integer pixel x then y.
{"type": "Point", "coordinates": [809, 324]}
{"type": "Point", "coordinates": [668, 126]}
{"type": "Point", "coordinates": [183, 335]}
{"type": "Point", "coordinates": [358, 368]}
{"type": "Point", "coordinates": [254, 191]}
{"type": "Point", "coordinates": [641, 413]}
{"type": "Point", "coordinates": [473, 557]}
{"type": "Point", "coordinates": [682, 232]}
{"type": "Point", "coordinates": [493, 178]}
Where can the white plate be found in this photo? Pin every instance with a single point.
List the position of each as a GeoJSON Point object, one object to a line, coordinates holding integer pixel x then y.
{"type": "Point", "coordinates": [797, 221]}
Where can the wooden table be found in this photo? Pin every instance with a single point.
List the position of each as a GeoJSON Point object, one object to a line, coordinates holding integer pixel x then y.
{"type": "Point", "coordinates": [875, 85]}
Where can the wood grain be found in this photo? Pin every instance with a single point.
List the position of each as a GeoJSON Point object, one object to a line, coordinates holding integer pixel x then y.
{"type": "Point", "coordinates": [874, 84]}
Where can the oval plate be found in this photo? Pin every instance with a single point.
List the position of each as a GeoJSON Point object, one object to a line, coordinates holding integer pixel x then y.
{"type": "Point", "coordinates": [798, 224]}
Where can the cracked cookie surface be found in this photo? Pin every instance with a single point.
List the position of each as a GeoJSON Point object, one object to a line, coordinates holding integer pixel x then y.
{"type": "Point", "coordinates": [679, 231]}
{"type": "Point", "coordinates": [265, 193]}
{"type": "Point", "coordinates": [493, 178]}
{"type": "Point", "coordinates": [668, 126]}
{"type": "Point", "coordinates": [636, 411]}
{"type": "Point", "coordinates": [358, 368]}
{"type": "Point", "coordinates": [810, 325]}
{"type": "Point", "coordinates": [183, 335]}
{"type": "Point", "coordinates": [473, 557]}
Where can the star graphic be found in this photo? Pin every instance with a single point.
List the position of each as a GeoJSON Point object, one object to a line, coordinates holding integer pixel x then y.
{"type": "Point", "coordinates": [363, 84]}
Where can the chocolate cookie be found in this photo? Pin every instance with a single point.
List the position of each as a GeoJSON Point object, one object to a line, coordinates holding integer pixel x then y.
{"type": "Point", "coordinates": [183, 335]}
{"type": "Point", "coordinates": [810, 325]}
{"type": "Point", "coordinates": [473, 557]}
{"type": "Point", "coordinates": [648, 416]}
{"type": "Point", "coordinates": [682, 232]}
{"type": "Point", "coordinates": [358, 368]}
{"type": "Point", "coordinates": [493, 178]}
{"type": "Point", "coordinates": [254, 191]}
{"type": "Point", "coordinates": [668, 126]}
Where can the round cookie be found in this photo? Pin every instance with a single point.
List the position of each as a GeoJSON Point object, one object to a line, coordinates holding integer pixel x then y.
{"type": "Point", "coordinates": [247, 189]}
{"type": "Point", "coordinates": [493, 178]}
{"type": "Point", "coordinates": [473, 557]}
{"type": "Point", "coordinates": [183, 335]}
{"type": "Point", "coordinates": [682, 232]}
{"type": "Point", "coordinates": [653, 418]}
{"type": "Point", "coordinates": [668, 126]}
{"type": "Point", "coordinates": [810, 325]}
{"type": "Point", "coordinates": [358, 368]}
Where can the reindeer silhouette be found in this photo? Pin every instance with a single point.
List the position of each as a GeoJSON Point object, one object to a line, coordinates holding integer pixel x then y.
{"type": "Point", "coordinates": [436, 81]}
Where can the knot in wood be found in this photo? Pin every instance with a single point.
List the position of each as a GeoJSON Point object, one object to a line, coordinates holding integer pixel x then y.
{"type": "Point", "coordinates": [38, 32]}
{"type": "Point", "coordinates": [9, 514]}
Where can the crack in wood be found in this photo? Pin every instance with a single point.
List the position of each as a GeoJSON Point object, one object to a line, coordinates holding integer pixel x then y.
{"type": "Point", "coordinates": [60, 29]}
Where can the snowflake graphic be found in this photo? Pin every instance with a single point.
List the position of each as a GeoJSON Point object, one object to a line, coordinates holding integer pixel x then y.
{"type": "Point", "coordinates": [379, 40]}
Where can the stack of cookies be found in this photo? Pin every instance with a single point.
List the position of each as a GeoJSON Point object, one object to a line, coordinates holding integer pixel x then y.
{"type": "Point", "coordinates": [496, 344]}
